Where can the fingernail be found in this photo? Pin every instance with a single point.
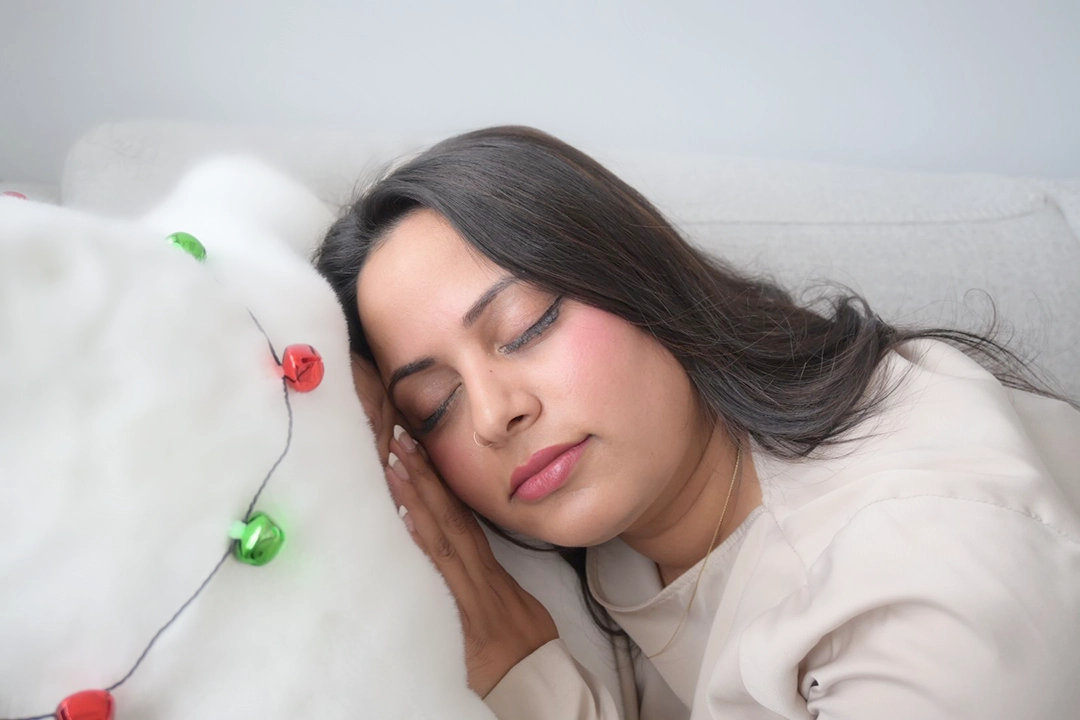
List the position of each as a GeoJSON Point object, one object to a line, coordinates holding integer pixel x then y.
{"type": "Point", "coordinates": [403, 513]}
{"type": "Point", "coordinates": [391, 482]}
{"type": "Point", "coordinates": [395, 464]}
{"type": "Point", "coordinates": [403, 438]}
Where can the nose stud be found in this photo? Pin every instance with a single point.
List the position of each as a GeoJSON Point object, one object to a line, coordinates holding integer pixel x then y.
{"type": "Point", "coordinates": [477, 441]}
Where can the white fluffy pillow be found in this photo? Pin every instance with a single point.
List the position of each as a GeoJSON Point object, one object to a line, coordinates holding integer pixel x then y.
{"type": "Point", "coordinates": [141, 411]}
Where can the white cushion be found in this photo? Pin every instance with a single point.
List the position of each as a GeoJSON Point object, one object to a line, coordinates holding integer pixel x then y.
{"type": "Point", "coordinates": [913, 244]}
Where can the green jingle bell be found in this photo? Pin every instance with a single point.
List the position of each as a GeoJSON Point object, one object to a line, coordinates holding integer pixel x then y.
{"type": "Point", "coordinates": [258, 541]}
{"type": "Point", "coordinates": [189, 244]}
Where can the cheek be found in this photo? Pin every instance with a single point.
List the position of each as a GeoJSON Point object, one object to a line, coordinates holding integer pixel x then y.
{"type": "Point", "coordinates": [622, 381]}
{"type": "Point", "coordinates": [460, 467]}
{"type": "Point", "coordinates": [599, 351]}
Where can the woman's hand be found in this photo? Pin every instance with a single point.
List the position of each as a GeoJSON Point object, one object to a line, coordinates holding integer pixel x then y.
{"type": "Point", "coordinates": [503, 624]}
{"type": "Point", "coordinates": [377, 406]}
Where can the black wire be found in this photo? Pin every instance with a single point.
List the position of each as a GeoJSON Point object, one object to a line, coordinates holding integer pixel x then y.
{"type": "Point", "coordinates": [247, 516]}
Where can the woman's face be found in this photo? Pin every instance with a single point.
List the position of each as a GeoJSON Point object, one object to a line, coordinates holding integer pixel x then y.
{"type": "Point", "coordinates": [465, 348]}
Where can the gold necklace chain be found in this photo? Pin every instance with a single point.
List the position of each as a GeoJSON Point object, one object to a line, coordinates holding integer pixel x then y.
{"type": "Point", "coordinates": [708, 554]}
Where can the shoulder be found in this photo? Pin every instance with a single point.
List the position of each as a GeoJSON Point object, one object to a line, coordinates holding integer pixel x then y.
{"type": "Point", "coordinates": [933, 557]}
{"type": "Point", "coordinates": [927, 602]}
{"type": "Point", "coordinates": [948, 432]}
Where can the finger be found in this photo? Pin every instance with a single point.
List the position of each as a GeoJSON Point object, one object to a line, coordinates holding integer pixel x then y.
{"type": "Point", "coordinates": [488, 598]}
{"type": "Point", "coordinates": [403, 437]}
{"type": "Point", "coordinates": [454, 521]}
{"type": "Point", "coordinates": [402, 508]}
{"type": "Point", "coordinates": [406, 518]}
{"type": "Point", "coordinates": [454, 517]}
{"type": "Point", "coordinates": [429, 535]}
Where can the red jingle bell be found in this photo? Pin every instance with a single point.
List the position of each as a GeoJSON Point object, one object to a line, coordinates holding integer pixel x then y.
{"type": "Point", "coordinates": [87, 705]}
{"type": "Point", "coordinates": [302, 368]}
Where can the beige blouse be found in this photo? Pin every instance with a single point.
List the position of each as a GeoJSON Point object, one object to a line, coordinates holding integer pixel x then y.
{"type": "Point", "coordinates": [929, 570]}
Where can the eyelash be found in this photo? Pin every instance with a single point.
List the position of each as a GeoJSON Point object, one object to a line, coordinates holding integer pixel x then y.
{"type": "Point", "coordinates": [534, 331]}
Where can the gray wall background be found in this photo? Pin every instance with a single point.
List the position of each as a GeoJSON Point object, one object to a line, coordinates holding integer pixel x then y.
{"type": "Point", "coordinates": [945, 85]}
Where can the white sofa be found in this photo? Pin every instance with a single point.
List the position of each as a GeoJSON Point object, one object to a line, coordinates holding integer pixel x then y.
{"type": "Point", "coordinates": [915, 245]}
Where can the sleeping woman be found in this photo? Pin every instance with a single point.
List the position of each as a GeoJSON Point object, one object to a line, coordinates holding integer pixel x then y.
{"type": "Point", "coordinates": [777, 511]}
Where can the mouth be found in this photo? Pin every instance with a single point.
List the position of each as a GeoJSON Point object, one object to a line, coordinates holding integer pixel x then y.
{"type": "Point", "coordinates": [546, 471]}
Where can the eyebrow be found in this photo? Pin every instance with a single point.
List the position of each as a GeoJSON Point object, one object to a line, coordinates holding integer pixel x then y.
{"type": "Point", "coordinates": [406, 370]}
{"type": "Point", "coordinates": [467, 320]}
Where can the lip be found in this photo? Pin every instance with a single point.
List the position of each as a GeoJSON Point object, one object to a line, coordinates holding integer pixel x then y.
{"type": "Point", "coordinates": [546, 471]}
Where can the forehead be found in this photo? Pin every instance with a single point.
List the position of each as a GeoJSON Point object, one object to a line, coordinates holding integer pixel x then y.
{"type": "Point", "coordinates": [421, 277]}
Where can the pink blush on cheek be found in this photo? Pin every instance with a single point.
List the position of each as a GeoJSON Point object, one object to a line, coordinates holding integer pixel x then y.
{"type": "Point", "coordinates": [615, 379]}
{"type": "Point", "coordinates": [595, 344]}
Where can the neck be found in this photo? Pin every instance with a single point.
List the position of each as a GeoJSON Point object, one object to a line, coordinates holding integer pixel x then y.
{"type": "Point", "coordinates": [676, 531]}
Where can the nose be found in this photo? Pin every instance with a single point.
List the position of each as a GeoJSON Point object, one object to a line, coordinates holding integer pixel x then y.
{"type": "Point", "coordinates": [501, 403]}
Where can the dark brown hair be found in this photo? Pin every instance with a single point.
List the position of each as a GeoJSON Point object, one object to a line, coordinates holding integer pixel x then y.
{"type": "Point", "coordinates": [793, 377]}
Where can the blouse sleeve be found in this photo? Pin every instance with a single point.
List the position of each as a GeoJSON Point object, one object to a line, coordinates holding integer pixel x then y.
{"type": "Point", "coordinates": [931, 608]}
{"type": "Point", "coordinates": [549, 684]}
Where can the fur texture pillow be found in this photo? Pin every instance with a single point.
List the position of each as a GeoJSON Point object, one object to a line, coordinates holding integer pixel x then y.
{"type": "Point", "coordinates": [142, 410]}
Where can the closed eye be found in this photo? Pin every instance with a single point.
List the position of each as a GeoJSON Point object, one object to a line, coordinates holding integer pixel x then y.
{"type": "Point", "coordinates": [429, 423]}
{"type": "Point", "coordinates": [534, 331]}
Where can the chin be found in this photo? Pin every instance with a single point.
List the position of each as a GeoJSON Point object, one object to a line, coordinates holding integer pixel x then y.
{"type": "Point", "coordinates": [585, 527]}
